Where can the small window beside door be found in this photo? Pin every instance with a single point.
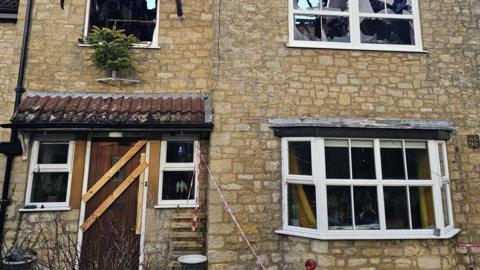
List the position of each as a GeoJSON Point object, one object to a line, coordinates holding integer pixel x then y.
{"type": "Point", "coordinates": [177, 173]}
{"type": "Point", "coordinates": [49, 175]}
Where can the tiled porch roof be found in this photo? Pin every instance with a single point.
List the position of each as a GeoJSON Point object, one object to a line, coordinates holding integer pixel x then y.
{"type": "Point", "coordinates": [112, 110]}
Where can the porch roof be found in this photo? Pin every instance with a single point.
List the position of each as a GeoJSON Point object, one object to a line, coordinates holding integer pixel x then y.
{"type": "Point", "coordinates": [41, 110]}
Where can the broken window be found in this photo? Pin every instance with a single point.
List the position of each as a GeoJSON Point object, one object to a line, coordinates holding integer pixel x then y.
{"type": "Point", "coordinates": [355, 24]}
{"type": "Point", "coordinates": [136, 17]}
{"type": "Point", "coordinates": [49, 174]}
{"type": "Point", "coordinates": [178, 173]}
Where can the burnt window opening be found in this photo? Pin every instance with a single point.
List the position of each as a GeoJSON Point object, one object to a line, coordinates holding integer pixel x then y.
{"type": "Point", "coordinates": [9, 11]}
{"type": "Point", "coordinates": [136, 17]}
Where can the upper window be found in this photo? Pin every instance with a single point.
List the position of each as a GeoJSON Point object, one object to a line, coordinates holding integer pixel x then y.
{"type": "Point", "coordinates": [9, 10]}
{"type": "Point", "coordinates": [136, 17]}
{"type": "Point", "coordinates": [392, 25]}
{"type": "Point", "coordinates": [49, 174]}
{"type": "Point", "coordinates": [178, 173]}
{"type": "Point", "coordinates": [366, 188]}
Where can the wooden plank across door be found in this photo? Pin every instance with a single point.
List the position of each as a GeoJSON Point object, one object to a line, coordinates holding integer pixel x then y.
{"type": "Point", "coordinates": [113, 170]}
{"type": "Point", "coordinates": [115, 194]}
{"type": "Point", "coordinates": [141, 185]}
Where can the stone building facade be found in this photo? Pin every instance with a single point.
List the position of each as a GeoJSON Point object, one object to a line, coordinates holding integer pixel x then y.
{"type": "Point", "coordinates": [237, 51]}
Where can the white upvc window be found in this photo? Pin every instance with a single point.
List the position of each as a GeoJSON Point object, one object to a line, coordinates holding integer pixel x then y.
{"type": "Point", "coordinates": [49, 175]}
{"type": "Point", "coordinates": [137, 17]}
{"type": "Point", "coordinates": [345, 188]}
{"type": "Point", "coordinates": [386, 25]}
{"type": "Point", "coordinates": [178, 171]}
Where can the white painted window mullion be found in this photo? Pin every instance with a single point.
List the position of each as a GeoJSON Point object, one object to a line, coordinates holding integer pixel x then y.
{"type": "Point", "coordinates": [378, 173]}
{"type": "Point", "coordinates": [354, 23]}
{"type": "Point", "coordinates": [437, 183]}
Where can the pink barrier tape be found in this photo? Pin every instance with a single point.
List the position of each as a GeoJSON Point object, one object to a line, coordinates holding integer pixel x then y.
{"type": "Point", "coordinates": [232, 216]}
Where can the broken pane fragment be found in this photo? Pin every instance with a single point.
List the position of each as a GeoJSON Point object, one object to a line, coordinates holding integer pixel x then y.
{"type": "Point", "coordinates": [322, 28]}
{"type": "Point", "coordinates": [306, 4]}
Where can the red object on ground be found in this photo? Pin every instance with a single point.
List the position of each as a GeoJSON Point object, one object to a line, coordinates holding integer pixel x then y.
{"type": "Point", "coordinates": [310, 264]}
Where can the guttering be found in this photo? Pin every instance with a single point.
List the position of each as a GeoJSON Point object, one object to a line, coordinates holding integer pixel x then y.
{"type": "Point", "coordinates": [14, 143]}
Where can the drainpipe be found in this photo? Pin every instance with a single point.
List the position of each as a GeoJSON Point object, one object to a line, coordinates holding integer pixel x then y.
{"type": "Point", "coordinates": [14, 143]}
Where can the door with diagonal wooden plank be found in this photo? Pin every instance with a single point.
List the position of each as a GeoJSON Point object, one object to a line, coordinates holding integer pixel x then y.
{"type": "Point", "coordinates": [111, 242]}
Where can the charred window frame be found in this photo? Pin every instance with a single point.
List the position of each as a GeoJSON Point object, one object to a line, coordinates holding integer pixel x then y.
{"type": "Point", "coordinates": [385, 25]}
{"type": "Point", "coordinates": [137, 17]}
{"type": "Point", "coordinates": [9, 11]}
{"type": "Point", "coordinates": [345, 188]}
{"type": "Point", "coordinates": [50, 174]}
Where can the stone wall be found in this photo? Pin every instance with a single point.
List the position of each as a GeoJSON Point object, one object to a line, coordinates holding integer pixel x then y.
{"type": "Point", "coordinates": [260, 78]}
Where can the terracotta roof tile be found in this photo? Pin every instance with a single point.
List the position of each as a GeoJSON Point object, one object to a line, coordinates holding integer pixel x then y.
{"type": "Point", "coordinates": [110, 110]}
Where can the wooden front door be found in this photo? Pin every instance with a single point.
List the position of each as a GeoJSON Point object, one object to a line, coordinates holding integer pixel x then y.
{"type": "Point", "coordinates": [111, 242]}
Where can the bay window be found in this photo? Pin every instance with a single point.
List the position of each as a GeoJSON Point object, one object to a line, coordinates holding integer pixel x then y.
{"type": "Point", "coordinates": [345, 188]}
{"type": "Point", "coordinates": [355, 24]}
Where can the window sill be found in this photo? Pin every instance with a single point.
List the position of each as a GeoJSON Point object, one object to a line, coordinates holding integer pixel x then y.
{"type": "Point", "coordinates": [174, 205]}
{"type": "Point", "coordinates": [135, 46]}
{"type": "Point", "coordinates": [45, 209]}
{"type": "Point", "coordinates": [346, 46]}
{"type": "Point", "coordinates": [370, 236]}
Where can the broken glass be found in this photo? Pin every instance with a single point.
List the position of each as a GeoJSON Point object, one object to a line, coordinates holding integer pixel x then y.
{"type": "Point", "coordinates": [322, 28]}
{"type": "Point", "coordinates": [306, 4]}
{"type": "Point", "coordinates": [136, 17]}
{"type": "Point", "coordinates": [387, 31]}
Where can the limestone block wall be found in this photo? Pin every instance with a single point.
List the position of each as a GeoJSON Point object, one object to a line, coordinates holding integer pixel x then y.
{"type": "Point", "coordinates": [259, 78]}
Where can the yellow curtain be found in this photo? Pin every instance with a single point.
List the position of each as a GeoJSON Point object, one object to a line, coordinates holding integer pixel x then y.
{"type": "Point", "coordinates": [306, 216]}
{"type": "Point", "coordinates": [425, 193]}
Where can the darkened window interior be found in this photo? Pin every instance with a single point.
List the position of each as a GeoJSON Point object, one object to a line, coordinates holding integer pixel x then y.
{"type": "Point", "coordinates": [299, 158]}
{"type": "Point", "coordinates": [49, 187]}
{"type": "Point", "coordinates": [176, 185]}
{"type": "Point", "coordinates": [8, 10]}
{"type": "Point", "coordinates": [180, 152]}
{"type": "Point", "coordinates": [52, 153]}
{"type": "Point", "coordinates": [337, 159]}
{"type": "Point", "coordinates": [136, 17]}
{"type": "Point", "coordinates": [339, 208]}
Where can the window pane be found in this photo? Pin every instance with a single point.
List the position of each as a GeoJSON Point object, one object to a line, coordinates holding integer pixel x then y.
{"type": "Point", "coordinates": [399, 6]}
{"type": "Point", "coordinates": [335, 5]}
{"type": "Point", "coordinates": [322, 28]}
{"type": "Point", "coordinates": [299, 158]}
{"type": "Point", "coordinates": [339, 207]}
{"type": "Point", "coordinates": [306, 4]}
{"type": "Point", "coordinates": [446, 214]}
{"type": "Point", "coordinates": [302, 210]}
{"type": "Point", "coordinates": [441, 159]}
{"type": "Point", "coordinates": [176, 186]}
{"type": "Point", "coordinates": [136, 17]}
{"type": "Point", "coordinates": [418, 164]}
{"type": "Point", "coordinates": [386, 7]}
{"type": "Point", "coordinates": [49, 187]}
{"type": "Point", "coordinates": [421, 205]}
{"type": "Point", "coordinates": [363, 161]}
{"type": "Point", "coordinates": [52, 153]}
{"type": "Point", "coordinates": [396, 207]}
{"type": "Point", "coordinates": [392, 160]}
{"type": "Point", "coordinates": [336, 159]}
{"type": "Point", "coordinates": [387, 31]}
{"type": "Point", "coordinates": [371, 6]}
{"type": "Point", "coordinates": [118, 177]}
{"type": "Point", "coordinates": [366, 208]}
{"type": "Point", "coordinates": [180, 152]}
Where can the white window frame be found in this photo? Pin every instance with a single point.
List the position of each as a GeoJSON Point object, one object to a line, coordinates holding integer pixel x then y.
{"type": "Point", "coordinates": [318, 179]}
{"type": "Point", "coordinates": [354, 16]}
{"type": "Point", "coordinates": [34, 168]}
{"type": "Point", "coordinates": [166, 167]}
{"type": "Point", "coordinates": [143, 44]}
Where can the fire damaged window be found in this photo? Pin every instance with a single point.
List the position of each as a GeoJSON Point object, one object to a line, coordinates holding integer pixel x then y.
{"type": "Point", "coordinates": [9, 11]}
{"type": "Point", "coordinates": [178, 173]}
{"type": "Point", "coordinates": [355, 24]}
{"type": "Point", "coordinates": [49, 174]}
{"type": "Point", "coordinates": [342, 188]}
{"type": "Point", "coordinates": [136, 17]}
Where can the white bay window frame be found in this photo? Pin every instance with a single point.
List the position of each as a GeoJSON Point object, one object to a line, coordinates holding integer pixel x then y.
{"type": "Point", "coordinates": [318, 179]}
{"type": "Point", "coordinates": [354, 16]}
{"type": "Point", "coordinates": [175, 167]}
{"type": "Point", "coordinates": [49, 168]}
